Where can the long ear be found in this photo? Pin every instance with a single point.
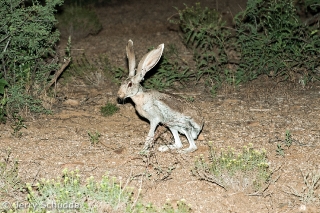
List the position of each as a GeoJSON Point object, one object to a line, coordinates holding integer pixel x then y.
{"type": "Point", "coordinates": [131, 58]}
{"type": "Point", "coordinates": [149, 61]}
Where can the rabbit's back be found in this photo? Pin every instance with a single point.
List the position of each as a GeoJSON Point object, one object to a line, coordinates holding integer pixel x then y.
{"type": "Point", "coordinates": [178, 113]}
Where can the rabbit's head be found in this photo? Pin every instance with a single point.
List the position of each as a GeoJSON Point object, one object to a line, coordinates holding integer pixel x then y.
{"type": "Point", "coordinates": [131, 86]}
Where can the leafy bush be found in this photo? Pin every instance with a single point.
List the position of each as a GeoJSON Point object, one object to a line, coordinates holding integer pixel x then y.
{"type": "Point", "coordinates": [204, 32]}
{"type": "Point", "coordinates": [118, 74]}
{"type": "Point", "coordinates": [273, 41]}
{"type": "Point", "coordinates": [17, 125]}
{"type": "Point", "coordinates": [268, 38]}
{"type": "Point", "coordinates": [169, 71]}
{"type": "Point", "coordinates": [3, 84]}
{"type": "Point", "coordinates": [27, 39]}
{"type": "Point", "coordinates": [247, 170]}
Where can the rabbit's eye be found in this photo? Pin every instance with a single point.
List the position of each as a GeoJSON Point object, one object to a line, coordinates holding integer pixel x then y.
{"type": "Point", "coordinates": [130, 84]}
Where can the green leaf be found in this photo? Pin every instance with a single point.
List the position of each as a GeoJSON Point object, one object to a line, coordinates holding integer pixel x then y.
{"type": "Point", "coordinates": [3, 83]}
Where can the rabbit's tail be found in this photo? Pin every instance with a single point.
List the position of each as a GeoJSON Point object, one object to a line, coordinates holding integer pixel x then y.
{"type": "Point", "coordinates": [195, 130]}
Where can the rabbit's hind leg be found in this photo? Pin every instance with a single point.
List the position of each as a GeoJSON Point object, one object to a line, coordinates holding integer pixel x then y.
{"type": "Point", "coordinates": [177, 142]}
{"type": "Point", "coordinates": [192, 147]}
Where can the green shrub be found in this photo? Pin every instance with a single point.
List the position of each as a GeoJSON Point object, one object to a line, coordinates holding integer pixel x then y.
{"type": "Point", "coordinates": [118, 74]}
{"type": "Point", "coordinates": [17, 125]}
{"type": "Point", "coordinates": [247, 170]}
{"type": "Point", "coordinates": [269, 38]}
{"type": "Point", "coordinates": [78, 22]}
{"type": "Point", "coordinates": [204, 32]}
{"type": "Point", "coordinates": [3, 84]}
{"type": "Point", "coordinates": [273, 41]}
{"type": "Point", "coordinates": [91, 196]}
{"type": "Point", "coordinates": [106, 195]}
{"type": "Point", "coordinates": [169, 72]}
{"type": "Point", "coordinates": [109, 109]}
{"type": "Point", "coordinates": [27, 39]}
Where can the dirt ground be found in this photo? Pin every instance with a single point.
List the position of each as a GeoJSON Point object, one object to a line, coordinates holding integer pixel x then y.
{"type": "Point", "coordinates": [257, 113]}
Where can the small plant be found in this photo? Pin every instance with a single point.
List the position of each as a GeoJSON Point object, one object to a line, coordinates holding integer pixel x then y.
{"type": "Point", "coordinates": [288, 140]}
{"type": "Point", "coordinates": [94, 137]}
{"type": "Point", "coordinates": [10, 182]}
{"type": "Point", "coordinates": [91, 196]}
{"type": "Point", "coordinates": [118, 73]}
{"type": "Point", "coordinates": [181, 207]}
{"type": "Point", "coordinates": [189, 98]}
{"type": "Point", "coordinates": [308, 194]}
{"type": "Point", "coordinates": [3, 84]}
{"type": "Point", "coordinates": [69, 193]}
{"type": "Point", "coordinates": [17, 125]}
{"type": "Point", "coordinates": [246, 170]}
{"type": "Point", "coordinates": [109, 109]}
{"type": "Point", "coordinates": [280, 150]}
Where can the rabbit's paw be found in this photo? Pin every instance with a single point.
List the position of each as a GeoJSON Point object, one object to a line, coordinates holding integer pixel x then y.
{"type": "Point", "coordinates": [187, 150]}
{"type": "Point", "coordinates": [165, 148]}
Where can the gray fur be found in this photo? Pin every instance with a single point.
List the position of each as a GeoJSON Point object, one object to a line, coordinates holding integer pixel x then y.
{"type": "Point", "coordinates": [179, 115]}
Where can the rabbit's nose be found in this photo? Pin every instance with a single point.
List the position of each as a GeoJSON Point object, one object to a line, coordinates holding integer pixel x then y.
{"type": "Point", "coordinates": [120, 94]}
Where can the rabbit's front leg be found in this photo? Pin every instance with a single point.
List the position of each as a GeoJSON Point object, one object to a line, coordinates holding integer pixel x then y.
{"type": "Point", "coordinates": [150, 137]}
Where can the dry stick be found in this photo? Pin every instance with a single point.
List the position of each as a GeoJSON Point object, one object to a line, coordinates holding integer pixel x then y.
{"type": "Point", "coordinates": [139, 191]}
{"type": "Point", "coordinates": [209, 178]}
{"type": "Point", "coordinates": [63, 67]}
{"type": "Point", "coordinates": [259, 193]}
{"type": "Point", "coordinates": [126, 184]}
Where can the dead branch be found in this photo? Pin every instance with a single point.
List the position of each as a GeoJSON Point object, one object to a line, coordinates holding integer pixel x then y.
{"type": "Point", "coordinates": [58, 73]}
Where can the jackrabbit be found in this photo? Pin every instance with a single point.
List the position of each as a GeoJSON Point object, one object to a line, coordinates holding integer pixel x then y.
{"type": "Point", "coordinates": [178, 114]}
